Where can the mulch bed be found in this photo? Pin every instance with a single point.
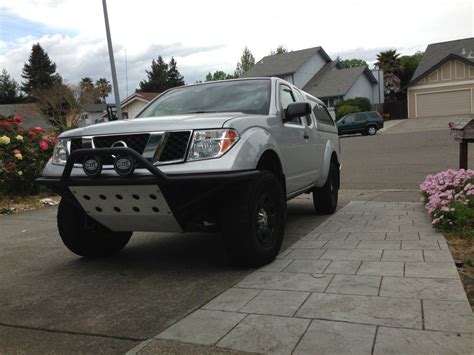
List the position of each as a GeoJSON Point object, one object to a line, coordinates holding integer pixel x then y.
{"type": "Point", "coordinates": [461, 248]}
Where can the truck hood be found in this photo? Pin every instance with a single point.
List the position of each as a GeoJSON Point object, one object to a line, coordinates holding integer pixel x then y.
{"type": "Point", "coordinates": [151, 124]}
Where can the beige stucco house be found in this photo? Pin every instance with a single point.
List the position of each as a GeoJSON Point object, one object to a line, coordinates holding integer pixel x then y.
{"type": "Point", "coordinates": [133, 104]}
{"type": "Point", "coordinates": [443, 83]}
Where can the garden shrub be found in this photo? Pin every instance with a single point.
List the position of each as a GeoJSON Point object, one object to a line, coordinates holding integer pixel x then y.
{"type": "Point", "coordinates": [362, 103]}
{"type": "Point", "coordinates": [449, 199]}
{"type": "Point", "coordinates": [345, 110]}
{"type": "Point", "coordinates": [23, 155]}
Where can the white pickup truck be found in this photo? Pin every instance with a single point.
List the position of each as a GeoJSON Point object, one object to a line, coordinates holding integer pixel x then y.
{"type": "Point", "coordinates": [221, 156]}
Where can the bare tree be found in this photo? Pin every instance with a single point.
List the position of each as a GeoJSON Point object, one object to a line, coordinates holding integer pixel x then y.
{"type": "Point", "coordinates": [60, 104]}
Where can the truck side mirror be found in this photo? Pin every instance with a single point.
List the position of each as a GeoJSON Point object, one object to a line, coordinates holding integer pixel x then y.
{"type": "Point", "coordinates": [296, 109]}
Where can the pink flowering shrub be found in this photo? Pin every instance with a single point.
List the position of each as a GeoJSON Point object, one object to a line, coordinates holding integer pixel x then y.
{"type": "Point", "coordinates": [449, 199]}
{"type": "Point", "coordinates": [23, 155]}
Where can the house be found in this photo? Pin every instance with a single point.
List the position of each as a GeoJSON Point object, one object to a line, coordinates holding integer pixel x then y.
{"type": "Point", "coordinates": [316, 73]}
{"type": "Point", "coordinates": [443, 82]}
{"type": "Point", "coordinates": [29, 112]}
{"type": "Point", "coordinates": [133, 104]}
{"type": "Point", "coordinates": [90, 114]}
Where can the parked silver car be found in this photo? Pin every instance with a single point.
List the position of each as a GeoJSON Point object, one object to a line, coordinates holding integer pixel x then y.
{"type": "Point", "coordinates": [220, 156]}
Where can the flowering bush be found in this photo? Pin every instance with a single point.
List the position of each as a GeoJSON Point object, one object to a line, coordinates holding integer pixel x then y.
{"type": "Point", "coordinates": [23, 154]}
{"type": "Point", "coordinates": [449, 199]}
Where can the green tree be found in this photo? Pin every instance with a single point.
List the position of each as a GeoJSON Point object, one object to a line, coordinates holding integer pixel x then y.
{"type": "Point", "coordinates": [280, 50]}
{"type": "Point", "coordinates": [103, 88]}
{"type": "Point", "coordinates": [353, 62]}
{"type": "Point", "coordinates": [39, 72]}
{"type": "Point", "coordinates": [409, 64]}
{"type": "Point", "coordinates": [174, 78]}
{"type": "Point", "coordinates": [156, 77]}
{"type": "Point", "coordinates": [219, 75]}
{"type": "Point", "coordinates": [8, 89]}
{"type": "Point", "coordinates": [162, 76]}
{"type": "Point", "coordinates": [247, 61]}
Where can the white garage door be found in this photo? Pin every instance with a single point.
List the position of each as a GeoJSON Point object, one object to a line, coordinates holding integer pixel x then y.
{"type": "Point", "coordinates": [444, 103]}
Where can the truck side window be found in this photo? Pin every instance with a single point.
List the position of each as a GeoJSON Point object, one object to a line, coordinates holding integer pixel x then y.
{"type": "Point", "coordinates": [300, 98]}
{"type": "Point", "coordinates": [360, 117]}
{"type": "Point", "coordinates": [322, 115]}
{"type": "Point", "coordinates": [286, 98]}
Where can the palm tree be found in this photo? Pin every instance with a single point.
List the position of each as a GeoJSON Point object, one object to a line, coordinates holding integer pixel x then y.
{"type": "Point", "coordinates": [103, 88]}
{"type": "Point", "coordinates": [389, 61]}
{"type": "Point", "coordinates": [87, 91]}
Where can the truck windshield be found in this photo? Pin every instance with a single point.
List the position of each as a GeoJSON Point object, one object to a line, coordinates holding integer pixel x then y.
{"type": "Point", "coordinates": [246, 96]}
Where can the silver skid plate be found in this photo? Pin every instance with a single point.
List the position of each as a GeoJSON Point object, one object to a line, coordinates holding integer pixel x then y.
{"type": "Point", "coordinates": [127, 207]}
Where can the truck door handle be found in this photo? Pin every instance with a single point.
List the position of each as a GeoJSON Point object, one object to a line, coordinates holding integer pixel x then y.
{"type": "Point", "coordinates": [306, 136]}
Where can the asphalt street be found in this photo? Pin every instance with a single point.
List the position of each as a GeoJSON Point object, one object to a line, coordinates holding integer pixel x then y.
{"type": "Point", "coordinates": [54, 301]}
{"type": "Point", "coordinates": [397, 160]}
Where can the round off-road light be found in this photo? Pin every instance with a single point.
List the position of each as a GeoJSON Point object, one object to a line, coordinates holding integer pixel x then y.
{"type": "Point", "coordinates": [124, 165]}
{"type": "Point", "coordinates": [92, 166]}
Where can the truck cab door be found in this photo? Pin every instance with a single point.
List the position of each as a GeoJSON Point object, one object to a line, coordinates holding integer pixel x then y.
{"type": "Point", "coordinates": [293, 137]}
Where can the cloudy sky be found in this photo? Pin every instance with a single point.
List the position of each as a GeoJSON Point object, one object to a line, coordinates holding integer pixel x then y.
{"type": "Point", "coordinates": [209, 35]}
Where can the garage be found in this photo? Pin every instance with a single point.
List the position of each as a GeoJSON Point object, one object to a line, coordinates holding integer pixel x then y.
{"type": "Point", "coordinates": [443, 103]}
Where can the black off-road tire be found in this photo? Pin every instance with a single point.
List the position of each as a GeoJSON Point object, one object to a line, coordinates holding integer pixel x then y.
{"type": "Point", "coordinates": [253, 225]}
{"type": "Point", "coordinates": [86, 237]}
{"type": "Point", "coordinates": [325, 198]}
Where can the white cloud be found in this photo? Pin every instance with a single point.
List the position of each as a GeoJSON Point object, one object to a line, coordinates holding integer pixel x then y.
{"type": "Point", "coordinates": [207, 35]}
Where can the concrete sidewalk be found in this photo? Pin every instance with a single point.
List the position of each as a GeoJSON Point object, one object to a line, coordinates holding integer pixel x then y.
{"type": "Point", "coordinates": [373, 278]}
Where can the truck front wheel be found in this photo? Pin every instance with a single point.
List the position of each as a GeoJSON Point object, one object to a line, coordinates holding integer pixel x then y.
{"type": "Point", "coordinates": [84, 236]}
{"type": "Point", "coordinates": [254, 222]}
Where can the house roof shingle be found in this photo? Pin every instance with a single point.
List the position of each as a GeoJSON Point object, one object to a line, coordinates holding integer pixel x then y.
{"type": "Point", "coordinates": [330, 82]}
{"type": "Point", "coordinates": [437, 52]}
{"type": "Point", "coordinates": [285, 63]}
{"type": "Point", "coordinates": [29, 112]}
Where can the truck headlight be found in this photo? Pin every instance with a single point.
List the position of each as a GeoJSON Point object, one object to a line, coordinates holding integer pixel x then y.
{"type": "Point", "coordinates": [212, 143]}
{"type": "Point", "coordinates": [60, 152]}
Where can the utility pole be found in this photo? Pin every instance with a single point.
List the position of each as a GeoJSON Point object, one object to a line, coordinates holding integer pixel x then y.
{"type": "Point", "coordinates": [126, 72]}
{"type": "Point", "coordinates": [112, 63]}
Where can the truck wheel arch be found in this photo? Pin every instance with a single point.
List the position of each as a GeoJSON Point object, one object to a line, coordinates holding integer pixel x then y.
{"type": "Point", "coordinates": [270, 161]}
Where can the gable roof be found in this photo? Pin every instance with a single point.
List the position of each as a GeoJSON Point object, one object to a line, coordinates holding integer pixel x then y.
{"type": "Point", "coordinates": [29, 112]}
{"type": "Point", "coordinates": [333, 82]}
{"type": "Point", "coordinates": [141, 96]}
{"type": "Point", "coordinates": [461, 49]}
{"type": "Point", "coordinates": [284, 63]}
{"type": "Point", "coordinates": [94, 107]}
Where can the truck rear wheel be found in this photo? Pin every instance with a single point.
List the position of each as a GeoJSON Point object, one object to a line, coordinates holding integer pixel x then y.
{"type": "Point", "coordinates": [325, 198]}
{"type": "Point", "coordinates": [254, 223]}
{"type": "Point", "coordinates": [86, 237]}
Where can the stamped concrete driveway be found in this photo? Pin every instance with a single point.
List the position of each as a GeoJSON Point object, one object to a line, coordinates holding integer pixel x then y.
{"type": "Point", "coordinates": [374, 278]}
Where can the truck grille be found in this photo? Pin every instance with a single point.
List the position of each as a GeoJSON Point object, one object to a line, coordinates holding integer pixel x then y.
{"type": "Point", "coordinates": [175, 146]}
{"type": "Point", "coordinates": [134, 141]}
{"type": "Point", "coordinates": [76, 143]}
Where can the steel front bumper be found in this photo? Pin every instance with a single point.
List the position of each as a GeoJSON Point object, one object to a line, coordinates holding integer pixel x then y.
{"type": "Point", "coordinates": [155, 202]}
